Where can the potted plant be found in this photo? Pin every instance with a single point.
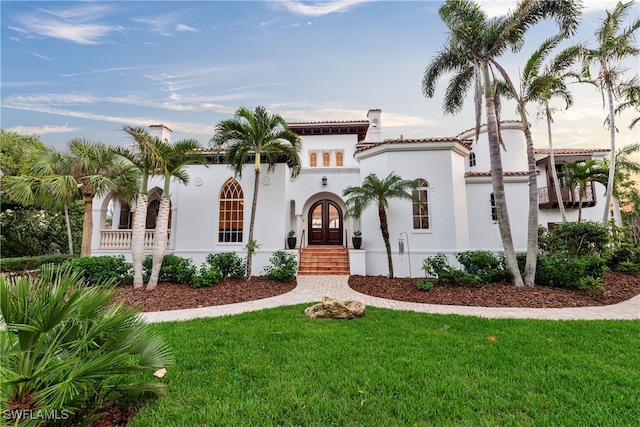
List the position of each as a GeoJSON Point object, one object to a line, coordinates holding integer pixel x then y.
{"type": "Point", "coordinates": [291, 239]}
{"type": "Point", "coordinates": [357, 239]}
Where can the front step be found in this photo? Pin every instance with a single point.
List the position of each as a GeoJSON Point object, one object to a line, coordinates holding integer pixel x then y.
{"type": "Point", "coordinates": [321, 260]}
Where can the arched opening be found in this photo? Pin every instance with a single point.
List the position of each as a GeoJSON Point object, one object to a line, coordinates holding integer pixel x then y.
{"type": "Point", "coordinates": [325, 223]}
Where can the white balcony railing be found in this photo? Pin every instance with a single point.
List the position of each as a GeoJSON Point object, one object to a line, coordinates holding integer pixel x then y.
{"type": "Point", "coordinates": [121, 239]}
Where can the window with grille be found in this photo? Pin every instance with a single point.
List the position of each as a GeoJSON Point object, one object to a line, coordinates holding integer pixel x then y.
{"type": "Point", "coordinates": [472, 160]}
{"type": "Point", "coordinates": [231, 220]}
{"type": "Point", "coordinates": [339, 159]}
{"type": "Point", "coordinates": [326, 160]}
{"type": "Point", "coordinates": [494, 211]}
{"type": "Point", "coordinates": [421, 209]}
{"type": "Point", "coordinates": [313, 160]}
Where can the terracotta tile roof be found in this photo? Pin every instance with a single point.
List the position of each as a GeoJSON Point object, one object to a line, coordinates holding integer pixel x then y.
{"type": "Point", "coordinates": [521, 173]}
{"type": "Point", "coordinates": [367, 145]}
{"type": "Point", "coordinates": [561, 151]}
{"type": "Point", "coordinates": [329, 122]}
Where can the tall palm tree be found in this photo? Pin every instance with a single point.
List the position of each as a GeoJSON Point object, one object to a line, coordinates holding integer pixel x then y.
{"type": "Point", "coordinates": [262, 136]}
{"type": "Point", "coordinates": [471, 54]}
{"type": "Point", "coordinates": [627, 170]}
{"type": "Point", "coordinates": [540, 86]}
{"type": "Point", "coordinates": [176, 157]}
{"type": "Point", "coordinates": [374, 191]}
{"type": "Point", "coordinates": [579, 174]}
{"type": "Point", "coordinates": [94, 169]}
{"type": "Point", "coordinates": [146, 156]}
{"type": "Point", "coordinates": [630, 92]}
{"type": "Point", "coordinates": [614, 45]}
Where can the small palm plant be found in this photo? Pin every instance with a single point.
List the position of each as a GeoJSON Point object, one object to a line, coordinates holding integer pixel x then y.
{"type": "Point", "coordinates": [67, 350]}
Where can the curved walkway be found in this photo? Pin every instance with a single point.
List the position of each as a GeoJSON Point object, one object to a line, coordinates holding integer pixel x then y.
{"type": "Point", "coordinates": [311, 289]}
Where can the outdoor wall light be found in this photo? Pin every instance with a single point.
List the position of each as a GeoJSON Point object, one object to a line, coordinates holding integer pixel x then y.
{"type": "Point", "coordinates": [324, 181]}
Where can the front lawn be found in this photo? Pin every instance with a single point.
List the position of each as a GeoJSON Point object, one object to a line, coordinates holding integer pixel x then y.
{"type": "Point", "coordinates": [392, 368]}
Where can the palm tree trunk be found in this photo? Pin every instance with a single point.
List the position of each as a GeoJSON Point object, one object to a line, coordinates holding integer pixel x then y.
{"type": "Point", "coordinates": [497, 180]}
{"type": "Point", "coordinates": [159, 242]}
{"type": "Point", "coordinates": [554, 172]}
{"type": "Point", "coordinates": [384, 228]}
{"type": "Point", "coordinates": [532, 225]}
{"type": "Point", "coordinates": [137, 239]}
{"type": "Point", "coordinates": [580, 196]}
{"type": "Point", "coordinates": [616, 212]}
{"type": "Point", "coordinates": [612, 161]}
{"type": "Point", "coordinates": [87, 226]}
{"type": "Point", "coordinates": [254, 205]}
{"type": "Point", "coordinates": [68, 225]}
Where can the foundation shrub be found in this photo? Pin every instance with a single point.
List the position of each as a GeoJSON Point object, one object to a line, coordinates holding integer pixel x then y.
{"type": "Point", "coordinates": [31, 262]}
{"type": "Point", "coordinates": [487, 266]}
{"type": "Point", "coordinates": [208, 275]}
{"type": "Point", "coordinates": [425, 284]}
{"type": "Point", "coordinates": [433, 265]}
{"type": "Point", "coordinates": [282, 267]}
{"type": "Point", "coordinates": [578, 239]}
{"type": "Point", "coordinates": [228, 264]}
{"type": "Point", "coordinates": [559, 271]}
{"type": "Point", "coordinates": [174, 269]}
{"type": "Point", "coordinates": [100, 269]}
{"type": "Point", "coordinates": [453, 277]}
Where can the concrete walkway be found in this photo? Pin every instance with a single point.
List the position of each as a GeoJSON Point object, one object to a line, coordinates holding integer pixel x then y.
{"type": "Point", "coordinates": [311, 289]}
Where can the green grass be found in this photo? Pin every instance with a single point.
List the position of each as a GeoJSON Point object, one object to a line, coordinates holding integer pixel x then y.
{"type": "Point", "coordinates": [390, 368]}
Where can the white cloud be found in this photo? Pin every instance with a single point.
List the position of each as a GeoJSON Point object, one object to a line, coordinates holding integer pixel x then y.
{"type": "Point", "coordinates": [42, 130]}
{"type": "Point", "coordinates": [183, 27]}
{"type": "Point", "coordinates": [319, 8]}
{"type": "Point", "coordinates": [37, 55]}
{"type": "Point", "coordinates": [502, 7]}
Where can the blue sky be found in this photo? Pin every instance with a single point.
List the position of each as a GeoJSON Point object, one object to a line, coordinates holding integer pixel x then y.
{"type": "Point", "coordinates": [86, 69]}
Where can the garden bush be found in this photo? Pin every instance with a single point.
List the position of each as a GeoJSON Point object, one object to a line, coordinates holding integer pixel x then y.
{"type": "Point", "coordinates": [69, 350]}
{"type": "Point", "coordinates": [578, 238]}
{"type": "Point", "coordinates": [208, 275]}
{"type": "Point", "coordinates": [101, 269]}
{"type": "Point", "coordinates": [174, 269]}
{"type": "Point", "coordinates": [282, 268]}
{"type": "Point", "coordinates": [31, 263]}
{"type": "Point", "coordinates": [453, 277]}
{"type": "Point", "coordinates": [625, 257]}
{"type": "Point", "coordinates": [559, 271]}
{"type": "Point", "coordinates": [425, 284]}
{"type": "Point", "coordinates": [228, 264]}
{"type": "Point", "coordinates": [433, 265]}
{"type": "Point", "coordinates": [488, 267]}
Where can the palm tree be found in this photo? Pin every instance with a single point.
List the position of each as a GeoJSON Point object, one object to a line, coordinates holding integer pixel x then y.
{"type": "Point", "coordinates": [630, 92]}
{"type": "Point", "coordinates": [625, 184]}
{"type": "Point", "coordinates": [540, 86]}
{"type": "Point", "coordinates": [93, 168]}
{"type": "Point", "coordinates": [379, 192]}
{"type": "Point", "coordinates": [146, 156]}
{"type": "Point", "coordinates": [176, 157]}
{"type": "Point", "coordinates": [471, 53]}
{"type": "Point", "coordinates": [614, 45]}
{"type": "Point", "coordinates": [579, 174]}
{"type": "Point", "coordinates": [262, 136]}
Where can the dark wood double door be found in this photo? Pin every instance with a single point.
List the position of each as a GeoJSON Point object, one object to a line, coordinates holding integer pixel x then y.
{"type": "Point", "coordinates": [325, 223]}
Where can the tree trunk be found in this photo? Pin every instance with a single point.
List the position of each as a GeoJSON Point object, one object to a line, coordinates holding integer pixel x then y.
{"type": "Point", "coordinates": [532, 225]}
{"type": "Point", "coordinates": [254, 205]}
{"type": "Point", "coordinates": [384, 228]}
{"type": "Point", "coordinates": [159, 242]}
{"type": "Point", "coordinates": [497, 180]}
{"type": "Point", "coordinates": [68, 225]}
{"type": "Point", "coordinates": [616, 212]}
{"type": "Point", "coordinates": [137, 239]}
{"type": "Point", "coordinates": [87, 225]}
{"type": "Point", "coordinates": [554, 173]}
{"type": "Point", "coordinates": [612, 161]}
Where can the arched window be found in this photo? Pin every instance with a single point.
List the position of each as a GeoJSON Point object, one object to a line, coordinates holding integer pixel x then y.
{"type": "Point", "coordinates": [472, 160]}
{"type": "Point", "coordinates": [421, 209]}
{"type": "Point", "coordinates": [231, 220]}
{"type": "Point", "coordinates": [125, 216]}
{"type": "Point", "coordinates": [326, 160]}
{"type": "Point", "coordinates": [313, 160]}
{"type": "Point", "coordinates": [339, 159]}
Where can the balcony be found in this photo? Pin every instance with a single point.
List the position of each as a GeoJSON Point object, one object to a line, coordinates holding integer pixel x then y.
{"type": "Point", "coordinates": [548, 199]}
{"type": "Point", "coordinates": [121, 239]}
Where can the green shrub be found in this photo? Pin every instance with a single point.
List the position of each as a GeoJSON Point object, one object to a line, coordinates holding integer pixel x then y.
{"type": "Point", "coordinates": [67, 349]}
{"type": "Point", "coordinates": [628, 267]}
{"type": "Point", "coordinates": [425, 284]}
{"type": "Point", "coordinates": [591, 284]}
{"type": "Point", "coordinates": [100, 269]}
{"type": "Point", "coordinates": [208, 275]}
{"type": "Point", "coordinates": [579, 238]}
{"type": "Point", "coordinates": [488, 267]}
{"type": "Point", "coordinates": [453, 277]}
{"type": "Point", "coordinates": [433, 265]}
{"type": "Point", "coordinates": [228, 264]}
{"type": "Point", "coordinates": [283, 267]}
{"type": "Point", "coordinates": [624, 257]}
{"type": "Point", "coordinates": [31, 263]}
{"type": "Point", "coordinates": [559, 271]}
{"type": "Point", "coordinates": [174, 269]}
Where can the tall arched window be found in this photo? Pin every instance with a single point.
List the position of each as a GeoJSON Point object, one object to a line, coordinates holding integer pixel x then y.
{"type": "Point", "coordinates": [421, 209]}
{"type": "Point", "coordinates": [326, 160]}
{"type": "Point", "coordinates": [231, 220]}
{"type": "Point", "coordinates": [313, 160]}
{"type": "Point", "coordinates": [472, 160]}
{"type": "Point", "coordinates": [339, 159]}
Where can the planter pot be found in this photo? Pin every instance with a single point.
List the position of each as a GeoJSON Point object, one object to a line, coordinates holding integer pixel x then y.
{"type": "Point", "coordinates": [291, 242]}
{"type": "Point", "coordinates": [357, 242]}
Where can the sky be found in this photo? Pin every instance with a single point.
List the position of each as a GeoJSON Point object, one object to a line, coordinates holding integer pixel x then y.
{"type": "Point", "coordinates": [86, 69]}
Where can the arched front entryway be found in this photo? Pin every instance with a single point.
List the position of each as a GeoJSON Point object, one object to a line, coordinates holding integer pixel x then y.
{"type": "Point", "coordinates": [325, 223]}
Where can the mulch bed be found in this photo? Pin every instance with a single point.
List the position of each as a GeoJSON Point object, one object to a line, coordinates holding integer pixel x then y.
{"type": "Point", "coordinates": [620, 287]}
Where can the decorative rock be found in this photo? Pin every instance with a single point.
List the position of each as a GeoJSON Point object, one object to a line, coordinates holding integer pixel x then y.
{"type": "Point", "coordinates": [331, 308]}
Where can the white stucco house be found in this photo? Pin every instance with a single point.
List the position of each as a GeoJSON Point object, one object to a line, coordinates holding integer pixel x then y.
{"type": "Point", "coordinates": [211, 214]}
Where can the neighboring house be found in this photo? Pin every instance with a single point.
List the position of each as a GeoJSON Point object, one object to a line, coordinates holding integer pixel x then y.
{"type": "Point", "coordinates": [211, 214]}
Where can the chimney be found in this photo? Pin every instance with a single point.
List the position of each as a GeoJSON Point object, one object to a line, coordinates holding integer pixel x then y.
{"type": "Point", "coordinates": [161, 132]}
{"type": "Point", "coordinates": [374, 132]}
